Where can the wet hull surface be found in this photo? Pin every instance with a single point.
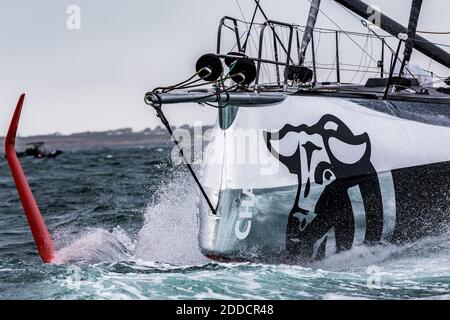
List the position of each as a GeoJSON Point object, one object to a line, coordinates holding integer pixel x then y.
{"type": "Point", "coordinates": [312, 177]}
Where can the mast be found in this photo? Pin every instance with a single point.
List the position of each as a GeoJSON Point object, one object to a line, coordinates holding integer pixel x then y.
{"type": "Point", "coordinates": [394, 28]}
{"type": "Point", "coordinates": [309, 29]}
{"type": "Point", "coordinates": [412, 28]}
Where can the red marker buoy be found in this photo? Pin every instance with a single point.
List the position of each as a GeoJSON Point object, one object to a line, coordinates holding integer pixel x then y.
{"type": "Point", "coordinates": [38, 228]}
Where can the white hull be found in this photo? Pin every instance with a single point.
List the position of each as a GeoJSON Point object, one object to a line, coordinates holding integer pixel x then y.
{"type": "Point", "coordinates": [276, 173]}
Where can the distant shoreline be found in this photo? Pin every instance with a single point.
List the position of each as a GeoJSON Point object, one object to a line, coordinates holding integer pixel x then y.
{"type": "Point", "coordinates": [120, 138]}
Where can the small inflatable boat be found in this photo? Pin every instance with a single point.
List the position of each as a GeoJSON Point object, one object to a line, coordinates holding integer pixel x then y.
{"type": "Point", "coordinates": [37, 150]}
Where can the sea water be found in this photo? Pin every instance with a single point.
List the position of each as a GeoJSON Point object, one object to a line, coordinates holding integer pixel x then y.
{"type": "Point", "coordinates": [124, 223]}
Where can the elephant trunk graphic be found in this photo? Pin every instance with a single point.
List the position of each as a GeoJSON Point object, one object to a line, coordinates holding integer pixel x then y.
{"type": "Point", "coordinates": [327, 159]}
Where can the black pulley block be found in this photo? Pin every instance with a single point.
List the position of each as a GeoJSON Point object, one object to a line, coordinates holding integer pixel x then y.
{"type": "Point", "coordinates": [244, 71]}
{"type": "Point", "coordinates": [209, 67]}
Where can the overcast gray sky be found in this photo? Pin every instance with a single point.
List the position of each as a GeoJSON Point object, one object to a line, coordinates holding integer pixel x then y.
{"type": "Point", "coordinates": [95, 78]}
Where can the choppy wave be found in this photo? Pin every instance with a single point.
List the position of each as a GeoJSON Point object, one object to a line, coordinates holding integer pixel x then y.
{"type": "Point", "coordinates": [95, 246]}
{"type": "Point", "coordinates": [170, 231]}
{"type": "Point", "coordinates": [115, 244]}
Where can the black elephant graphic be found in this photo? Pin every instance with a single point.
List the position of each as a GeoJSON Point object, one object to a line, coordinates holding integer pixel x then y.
{"type": "Point", "coordinates": [328, 159]}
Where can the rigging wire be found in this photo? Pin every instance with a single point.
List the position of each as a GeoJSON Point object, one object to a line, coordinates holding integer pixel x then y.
{"type": "Point", "coordinates": [332, 21]}
{"type": "Point", "coordinates": [434, 32]}
{"type": "Point", "coordinates": [360, 60]}
{"type": "Point", "coordinates": [242, 12]}
{"type": "Point", "coordinates": [160, 114]}
{"type": "Point", "coordinates": [242, 35]}
{"type": "Point", "coordinates": [175, 86]}
{"type": "Point", "coordinates": [258, 5]}
{"type": "Point", "coordinates": [364, 23]}
{"type": "Point", "coordinates": [249, 29]}
{"type": "Point", "coordinates": [251, 24]}
{"type": "Point", "coordinates": [367, 64]}
{"type": "Point", "coordinates": [332, 69]}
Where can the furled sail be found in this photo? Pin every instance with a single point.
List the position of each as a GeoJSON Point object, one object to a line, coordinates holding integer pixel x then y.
{"type": "Point", "coordinates": [309, 29]}
{"type": "Point", "coordinates": [412, 28]}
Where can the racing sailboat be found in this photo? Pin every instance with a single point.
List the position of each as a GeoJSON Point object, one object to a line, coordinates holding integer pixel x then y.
{"type": "Point", "coordinates": [305, 162]}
